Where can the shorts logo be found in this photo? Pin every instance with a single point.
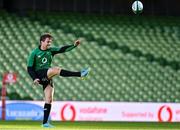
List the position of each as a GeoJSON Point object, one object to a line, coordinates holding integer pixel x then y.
{"type": "Point", "coordinates": [44, 60]}
{"type": "Point", "coordinates": [44, 79]}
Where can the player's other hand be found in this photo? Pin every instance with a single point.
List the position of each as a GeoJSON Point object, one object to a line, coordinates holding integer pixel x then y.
{"type": "Point", "coordinates": [36, 81]}
{"type": "Point", "coordinates": [77, 43]}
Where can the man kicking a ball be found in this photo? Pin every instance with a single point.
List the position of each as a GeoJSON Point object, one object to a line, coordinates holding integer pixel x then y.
{"type": "Point", "coordinates": [40, 70]}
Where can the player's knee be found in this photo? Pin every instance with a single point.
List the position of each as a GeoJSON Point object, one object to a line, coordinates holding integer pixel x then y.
{"type": "Point", "coordinates": [53, 71]}
{"type": "Point", "coordinates": [56, 70]}
{"type": "Point", "coordinates": [49, 100]}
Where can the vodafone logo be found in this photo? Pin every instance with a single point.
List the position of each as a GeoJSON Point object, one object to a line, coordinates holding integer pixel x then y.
{"type": "Point", "coordinates": [68, 112]}
{"type": "Point", "coordinates": [165, 114]}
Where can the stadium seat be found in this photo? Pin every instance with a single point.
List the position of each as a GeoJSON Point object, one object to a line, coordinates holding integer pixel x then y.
{"type": "Point", "coordinates": [131, 60]}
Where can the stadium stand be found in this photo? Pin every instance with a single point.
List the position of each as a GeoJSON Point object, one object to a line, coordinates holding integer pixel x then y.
{"type": "Point", "coordinates": [132, 58]}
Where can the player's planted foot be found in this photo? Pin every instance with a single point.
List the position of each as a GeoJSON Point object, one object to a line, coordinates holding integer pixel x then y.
{"type": "Point", "coordinates": [85, 72]}
{"type": "Point", "coordinates": [47, 125]}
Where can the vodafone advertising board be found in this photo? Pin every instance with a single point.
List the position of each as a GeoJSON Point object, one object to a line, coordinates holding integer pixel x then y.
{"type": "Point", "coordinates": [98, 111]}
{"type": "Point", "coordinates": [119, 111]}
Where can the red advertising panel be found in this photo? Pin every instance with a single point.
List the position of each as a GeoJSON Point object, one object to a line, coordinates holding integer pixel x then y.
{"type": "Point", "coordinates": [9, 78]}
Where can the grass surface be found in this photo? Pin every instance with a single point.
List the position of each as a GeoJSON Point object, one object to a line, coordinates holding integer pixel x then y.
{"type": "Point", "coordinates": [36, 125]}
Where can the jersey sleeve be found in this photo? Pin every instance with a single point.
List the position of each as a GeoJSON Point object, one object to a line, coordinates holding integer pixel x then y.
{"type": "Point", "coordinates": [30, 66]}
{"type": "Point", "coordinates": [31, 58]}
{"type": "Point", "coordinates": [56, 50]}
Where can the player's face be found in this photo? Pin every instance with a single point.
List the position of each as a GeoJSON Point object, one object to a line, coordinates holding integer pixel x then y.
{"type": "Point", "coordinates": [46, 43]}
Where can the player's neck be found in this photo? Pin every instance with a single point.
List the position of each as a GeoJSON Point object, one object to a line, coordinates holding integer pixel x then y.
{"type": "Point", "coordinates": [42, 48]}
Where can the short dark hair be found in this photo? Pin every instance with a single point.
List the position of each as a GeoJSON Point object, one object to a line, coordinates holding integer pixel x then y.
{"type": "Point", "coordinates": [44, 36]}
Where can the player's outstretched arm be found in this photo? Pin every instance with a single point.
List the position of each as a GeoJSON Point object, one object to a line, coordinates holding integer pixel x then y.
{"type": "Point", "coordinates": [66, 48]}
{"type": "Point", "coordinates": [77, 43]}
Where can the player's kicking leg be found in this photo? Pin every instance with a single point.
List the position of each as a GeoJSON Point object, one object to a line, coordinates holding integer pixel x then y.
{"type": "Point", "coordinates": [66, 73]}
{"type": "Point", "coordinates": [49, 90]}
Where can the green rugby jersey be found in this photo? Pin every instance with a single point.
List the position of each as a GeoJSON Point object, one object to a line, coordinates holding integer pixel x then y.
{"type": "Point", "coordinates": [41, 59]}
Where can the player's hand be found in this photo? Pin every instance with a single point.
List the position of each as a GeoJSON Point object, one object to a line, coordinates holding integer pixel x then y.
{"type": "Point", "coordinates": [77, 43]}
{"type": "Point", "coordinates": [36, 81]}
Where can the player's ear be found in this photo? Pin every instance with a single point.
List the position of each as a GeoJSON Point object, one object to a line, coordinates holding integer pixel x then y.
{"type": "Point", "coordinates": [41, 42]}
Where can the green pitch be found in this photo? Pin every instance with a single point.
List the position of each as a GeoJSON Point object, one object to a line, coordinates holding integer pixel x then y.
{"type": "Point", "coordinates": [35, 125]}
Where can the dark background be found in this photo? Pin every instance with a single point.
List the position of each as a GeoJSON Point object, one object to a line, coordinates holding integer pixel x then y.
{"type": "Point", "coordinates": [151, 7]}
